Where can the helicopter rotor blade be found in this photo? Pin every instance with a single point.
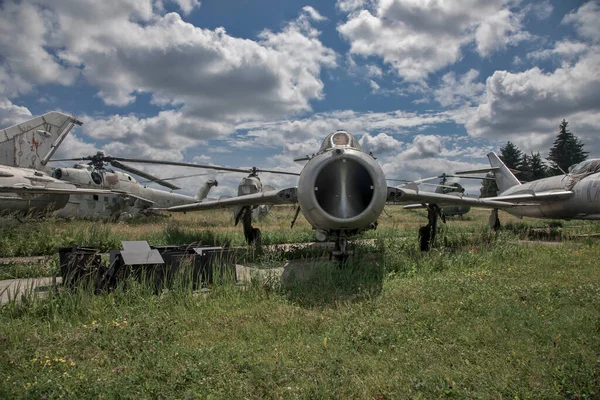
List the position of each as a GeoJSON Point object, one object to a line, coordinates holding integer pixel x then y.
{"type": "Point", "coordinates": [179, 164]}
{"type": "Point", "coordinates": [471, 177]}
{"type": "Point", "coordinates": [193, 175]}
{"type": "Point", "coordinates": [192, 165]}
{"type": "Point", "coordinates": [143, 174]}
{"type": "Point", "coordinates": [274, 171]}
{"type": "Point", "coordinates": [71, 159]}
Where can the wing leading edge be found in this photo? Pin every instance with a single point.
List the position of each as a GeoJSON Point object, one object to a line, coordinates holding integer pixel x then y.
{"type": "Point", "coordinates": [411, 193]}
{"type": "Point", "coordinates": [269, 197]}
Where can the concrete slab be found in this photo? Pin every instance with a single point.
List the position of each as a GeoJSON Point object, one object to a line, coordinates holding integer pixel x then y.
{"type": "Point", "coordinates": [15, 288]}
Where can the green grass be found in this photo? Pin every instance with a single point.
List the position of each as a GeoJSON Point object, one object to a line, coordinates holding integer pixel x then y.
{"type": "Point", "coordinates": [480, 318]}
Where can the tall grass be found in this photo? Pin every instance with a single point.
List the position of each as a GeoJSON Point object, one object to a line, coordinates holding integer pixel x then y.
{"type": "Point", "coordinates": [491, 320]}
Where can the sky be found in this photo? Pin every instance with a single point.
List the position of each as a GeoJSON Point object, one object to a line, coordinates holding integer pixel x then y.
{"type": "Point", "coordinates": [428, 86]}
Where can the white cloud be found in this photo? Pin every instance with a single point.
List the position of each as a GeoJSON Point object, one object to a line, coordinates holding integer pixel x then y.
{"type": "Point", "coordinates": [563, 50]}
{"type": "Point", "coordinates": [423, 146]}
{"type": "Point", "coordinates": [124, 48]}
{"type": "Point", "coordinates": [526, 107]}
{"type": "Point", "coordinates": [585, 20]}
{"type": "Point", "coordinates": [25, 62]}
{"type": "Point", "coordinates": [317, 126]}
{"type": "Point", "coordinates": [380, 144]}
{"type": "Point", "coordinates": [350, 5]}
{"type": "Point", "coordinates": [417, 38]}
{"type": "Point", "coordinates": [498, 31]}
{"type": "Point", "coordinates": [453, 91]}
{"type": "Point", "coordinates": [11, 114]}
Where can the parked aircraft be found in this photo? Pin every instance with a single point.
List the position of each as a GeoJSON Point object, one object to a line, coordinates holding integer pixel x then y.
{"type": "Point", "coordinates": [96, 175]}
{"type": "Point", "coordinates": [25, 149]}
{"type": "Point", "coordinates": [28, 187]}
{"type": "Point", "coordinates": [575, 195]}
{"type": "Point", "coordinates": [341, 191]}
{"type": "Point", "coordinates": [445, 187]}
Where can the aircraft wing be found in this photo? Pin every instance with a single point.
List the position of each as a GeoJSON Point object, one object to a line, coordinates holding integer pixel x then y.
{"type": "Point", "coordinates": [411, 193]}
{"type": "Point", "coordinates": [269, 197]}
{"type": "Point", "coordinates": [540, 197]}
{"type": "Point", "coordinates": [69, 189]}
{"type": "Point", "coordinates": [51, 188]}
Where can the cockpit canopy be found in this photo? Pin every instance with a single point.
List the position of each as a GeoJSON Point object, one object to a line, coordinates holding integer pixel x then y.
{"type": "Point", "coordinates": [586, 167]}
{"type": "Point", "coordinates": [339, 138]}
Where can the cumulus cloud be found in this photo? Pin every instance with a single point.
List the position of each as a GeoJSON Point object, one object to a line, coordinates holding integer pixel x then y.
{"type": "Point", "coordinates": [498, 31]}
{"type": "Point", "coordinates": [11, 114]}
{"type": "Point", "coordinates": [25, 61]}
{"type": "Point", "coordinates": [527, 106]}
{"type": "Point", "coordinates": [125, 48]}
{"type": "Point", "coordinates": [380, 144]}
{"type": "Point", "coordinates": [456, 91]}
{"type": "Point", "coordinates": [418, 38]}
{"type": "Point", "coordinates": [585, 20]}
{"type": "Point", "coordinates": [281, 132]}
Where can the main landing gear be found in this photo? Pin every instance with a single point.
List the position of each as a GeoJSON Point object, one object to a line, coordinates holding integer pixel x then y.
{"type": "Point", "coordinates": [251, 233]}
{"type": "Point", "coordinates": [494, 220]}
{"type": "Point", "coordinates": [427, 233]}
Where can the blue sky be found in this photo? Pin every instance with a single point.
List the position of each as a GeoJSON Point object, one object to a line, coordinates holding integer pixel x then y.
{"type": "Point", "coordinates": [428, 86]}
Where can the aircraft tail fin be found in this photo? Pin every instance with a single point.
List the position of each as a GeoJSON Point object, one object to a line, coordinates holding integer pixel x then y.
{"type": "Point", "coordinates": [204, 189]}
{"type": "Point", "coordinates": [504, 177]}
{"type": "Point", "coordinates": [32, 143]}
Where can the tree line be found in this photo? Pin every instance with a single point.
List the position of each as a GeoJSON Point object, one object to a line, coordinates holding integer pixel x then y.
{"type": "Point", "coordinates": [566, 151]}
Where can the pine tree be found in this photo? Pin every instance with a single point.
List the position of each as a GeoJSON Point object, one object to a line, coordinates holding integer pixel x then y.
{"type": "Point", "coordinates": [525, 171]}
{"type": "Point", "coordinates": [537, 167]}
{"type": "Point", "coordinates": [566, 151]}
{"type": "Point", "coordinates": [489, 188]}
{"type": "Point", "coordinates": [511, 155]}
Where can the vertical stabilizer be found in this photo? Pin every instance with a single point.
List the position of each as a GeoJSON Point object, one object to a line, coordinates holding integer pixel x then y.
{"type": "Point", "coordinates": [504, 178]}
{"type": "Point", "coordinates": [204, 189]}
{"type": "Point", "coordinates": [30, 144]}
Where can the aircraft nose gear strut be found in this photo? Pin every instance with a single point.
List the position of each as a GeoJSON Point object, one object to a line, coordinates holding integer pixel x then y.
{"type": "Point", "coordinates": [427, 232]}
{"type": "Point", "coordinates": [341, 252]}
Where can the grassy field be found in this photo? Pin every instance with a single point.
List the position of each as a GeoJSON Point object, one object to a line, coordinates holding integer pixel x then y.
{"type": "Point", "coordinates": [478, 317]}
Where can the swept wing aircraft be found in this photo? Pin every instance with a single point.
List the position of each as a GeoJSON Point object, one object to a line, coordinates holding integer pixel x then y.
{"type": "Point", "coordinates": [341, 191]}
{"type": "Point", "coordinates": [575, 195]}
{"type": "Point", "coordinates": [25, 149]}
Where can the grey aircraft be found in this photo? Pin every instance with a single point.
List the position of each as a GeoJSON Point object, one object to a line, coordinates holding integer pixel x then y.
{"type": "Point", "coordinates": [28, 186]}
{"type": "Point", "coordinates": [25, 149]}
{"type": "Point", "coordinates": [575, 195]}
{"type": "Point", "coordinates": [341, 191]}
{"type": "Point", "coordinates": [139, 199]}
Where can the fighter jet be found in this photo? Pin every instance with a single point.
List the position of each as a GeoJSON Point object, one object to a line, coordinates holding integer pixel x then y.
{"type": "Point", "coordinates": [341, 191]}
{"type": "Point", "coordinates": [575, 195]}
{"type": "Point", "coordinates": [29, 187]}
{"type": "Point", "coordinates": [25, 149]}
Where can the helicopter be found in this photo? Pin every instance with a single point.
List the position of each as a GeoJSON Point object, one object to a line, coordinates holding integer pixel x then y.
{"type": "Point", "coordinates": [138, 197]}
{"type": "Point", "coordinates": [25, 149]}
{"type": "Point", "coordinates": [445, 187]}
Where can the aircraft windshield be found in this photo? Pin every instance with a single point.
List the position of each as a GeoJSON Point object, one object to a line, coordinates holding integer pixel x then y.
{"type": "Point", "coordinates": [586, 167]}
{"type": "Point", "coordinates": [339, 138]}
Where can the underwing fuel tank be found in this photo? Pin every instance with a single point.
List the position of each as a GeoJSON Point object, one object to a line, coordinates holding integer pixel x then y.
{"type": "Point", "coordinates": [342, 189]}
